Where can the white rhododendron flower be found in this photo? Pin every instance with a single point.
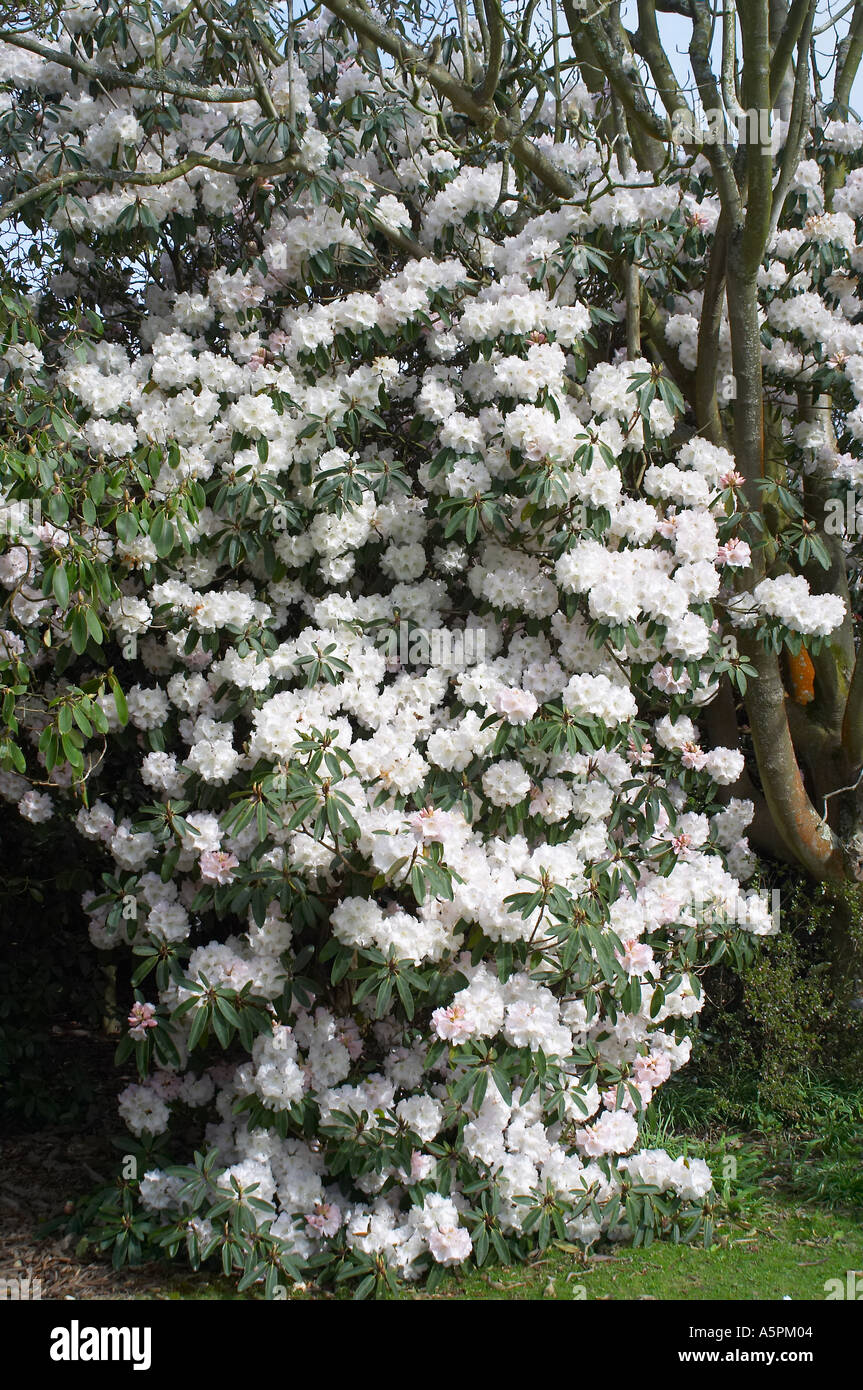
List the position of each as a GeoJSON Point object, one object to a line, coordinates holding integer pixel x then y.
{"type": "Point", "coordinates": [372, 650]}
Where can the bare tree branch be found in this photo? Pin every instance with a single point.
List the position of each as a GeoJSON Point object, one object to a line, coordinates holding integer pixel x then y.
{"type": "Point", "coordinates": [111, 76]}
{"type": "Point", "coordinates": [494, 55]}
{"type": "Point", "coordinates": [484, 115]}
{"type": "Point", "coordinates": [146, 179]}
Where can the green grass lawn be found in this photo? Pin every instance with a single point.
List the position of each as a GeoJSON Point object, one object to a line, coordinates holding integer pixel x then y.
{"type": "Point", "coordinates": [776, 1235]}
{"type": "Point", "coordinates": [781, 1249]}
{"type": "Point", "coordinates": [787, 1216]}
{"type": "Point", "coordinates": [787, 1250]}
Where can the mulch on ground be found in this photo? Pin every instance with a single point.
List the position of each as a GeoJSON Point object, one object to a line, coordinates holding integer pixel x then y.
{"type": "Point", "coordinates": [40, 1174]}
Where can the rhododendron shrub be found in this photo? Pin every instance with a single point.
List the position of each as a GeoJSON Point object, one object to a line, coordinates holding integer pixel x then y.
{"type": "Point", "coordinates": [371, 617]}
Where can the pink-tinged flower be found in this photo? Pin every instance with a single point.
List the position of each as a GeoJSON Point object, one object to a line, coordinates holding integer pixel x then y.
{"type": "Point", "coordinates": [421, 1166]}
{"type": "Point", "coordinates": [667, 527]}
{"type": "Point", "coordinates": [349, 1036]}
{"type": "Point", "coordinates": [645, 1090]}
{"type": "Point", "coordinates": [732, 479]}
{"type": "Point", "coordinates": [652, 1070]}
{"type": "Point", "coordinates": [681, 844]}
{"type": "Point", "coordinates": [664, 680]}
{"type": "Point", "coordinates": [325, 1220]}
{"type": "Point", "coordinates": [614, 1132]}
{"type": "Point", "coordinates": [452, 1023]}
{"type": "Point", "coordinates": [517, 706]}
{"type": "Point", "coordinates": [54, 536]}
{"type": "Point", "coordinates": [609, 1100]}
{"type": "Point", "coordinates": [165, 1084]}
{"type": "Point", "coordinates": [430, 824]}
{"type": "Point", "coordinates": [450, 1244]}
{"type": "Point", "coordinates": [217, 866]}
{"type": "Point", "coordinates": [735, 553]}
{"type": "Point", "coordinates": [637, 957]}
{"type": "Point", "coordinates": [665, 908]}
{"type": "Point", "coordinates": [693, 756]}
{"type": "Point", "coordinates": [140, 1019]}
{"type": "Point", "coordinates": [643, 756]}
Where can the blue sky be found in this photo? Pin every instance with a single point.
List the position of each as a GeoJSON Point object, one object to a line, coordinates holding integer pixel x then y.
{"type": "Point", "coordinates": [675, 32]}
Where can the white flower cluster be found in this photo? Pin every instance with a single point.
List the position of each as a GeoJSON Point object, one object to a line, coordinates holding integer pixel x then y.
{"type": "Point", "coordinates": [788, 599]}
{"type": "Point", "coordinates": [408, 713]}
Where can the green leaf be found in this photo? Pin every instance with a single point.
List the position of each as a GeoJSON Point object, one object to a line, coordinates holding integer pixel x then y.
{"type": "Point", "coordinates": [60, 585]}
{"type": "Point", "coordinates": [78, 632]}
{"type": "Point", "coordinates": [199, 1026]}
{"type": "Point", "coordinates": [119, 700]}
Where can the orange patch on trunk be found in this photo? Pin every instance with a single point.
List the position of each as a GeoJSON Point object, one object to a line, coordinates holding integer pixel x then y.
{"type": "Point", "coordinates": [801, 675]}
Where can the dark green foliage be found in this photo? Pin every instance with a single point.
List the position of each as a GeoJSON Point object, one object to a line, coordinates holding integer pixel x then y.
{"type": "Point", "coordinates": [793, 1015]}
{"type": "Point", "coordinates": [780, 1052]}
{"type": "Point", "coordinates": [53, 1058]}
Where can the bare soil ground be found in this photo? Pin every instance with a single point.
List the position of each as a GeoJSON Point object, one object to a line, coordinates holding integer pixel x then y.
{"type": "Point", "coordinates": [40, 1174]}
{"type": "Point", "coordinates": [45, 1167]}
